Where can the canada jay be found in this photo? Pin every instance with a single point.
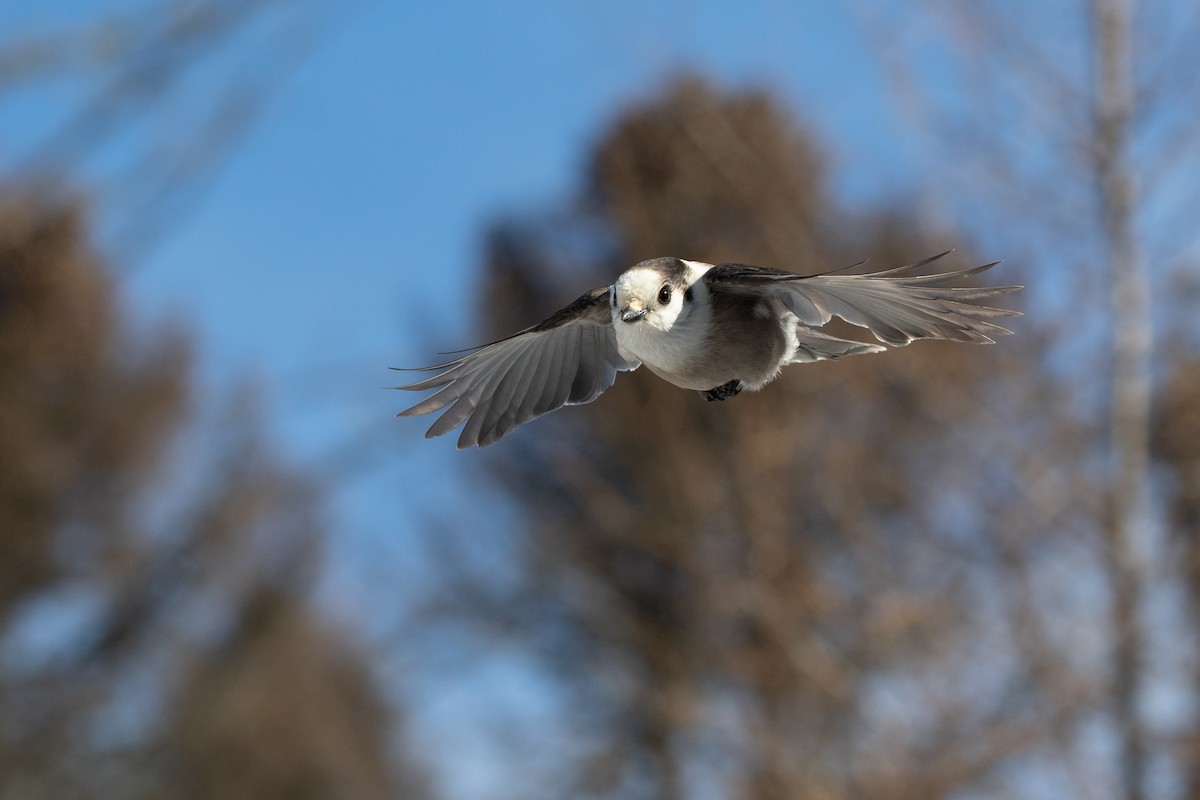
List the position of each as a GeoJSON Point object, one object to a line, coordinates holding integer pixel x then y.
{"type": "Point", "coordinates": [717, 329]}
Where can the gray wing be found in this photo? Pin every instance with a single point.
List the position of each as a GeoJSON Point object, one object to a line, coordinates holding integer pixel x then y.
{"type": "Point", "coordinates": [567, 359]}
{"type": "Point", "coordinates": [895, 305]}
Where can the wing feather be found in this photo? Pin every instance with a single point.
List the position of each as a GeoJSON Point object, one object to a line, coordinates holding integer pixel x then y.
{"type": "Point", "coordinates": [495, 401]}
{"type": "Point", "coordinates": [895, 306]}
{"type": "Point", "coordinates": [553, 395]}
{"type": "Point", "coordinates": [570, 357]}
{"type": "Point", "coordinates": [589, 376]}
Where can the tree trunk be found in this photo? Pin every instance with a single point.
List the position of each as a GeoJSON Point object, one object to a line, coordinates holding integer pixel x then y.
{"type": "Point", "coordinates": [1130, 399]}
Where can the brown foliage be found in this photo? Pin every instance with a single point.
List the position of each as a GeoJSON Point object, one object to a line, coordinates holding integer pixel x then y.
{"type": "Point", "coordinates": [281, 709]}
{"type": "Point", "coordinates": [780, 593]}
{"type": "Point", "coordinates": [712, 175]}
{"type": "Point", "coordinates": [201, 645]}
{"type": "Point", "coordinates": [1177, 445]}
{"type": "Point", "coordinates": [74, 452]}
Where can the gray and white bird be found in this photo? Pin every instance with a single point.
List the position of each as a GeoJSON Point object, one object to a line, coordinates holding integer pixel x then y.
{"type": "Point", "coordinates": [717, 329]}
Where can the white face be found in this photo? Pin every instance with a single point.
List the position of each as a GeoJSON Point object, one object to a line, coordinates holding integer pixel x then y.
{"type": "Point", "coordinates": [644, 297]}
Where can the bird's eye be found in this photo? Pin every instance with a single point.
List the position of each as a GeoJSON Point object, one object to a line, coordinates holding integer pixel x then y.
{"type": "Point", "coordinates": [664, 295]}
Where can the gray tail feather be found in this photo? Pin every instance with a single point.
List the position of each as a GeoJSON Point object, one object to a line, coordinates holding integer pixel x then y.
{"type": "Point", "coordinates": [812, 345]}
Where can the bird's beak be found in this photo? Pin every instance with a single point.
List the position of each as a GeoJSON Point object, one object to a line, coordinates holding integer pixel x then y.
{"type": "Point", "coordinates": [632, 315]}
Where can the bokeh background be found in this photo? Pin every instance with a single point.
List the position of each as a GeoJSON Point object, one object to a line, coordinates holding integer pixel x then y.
{"type": "Point", "coordinates": [949, 572]}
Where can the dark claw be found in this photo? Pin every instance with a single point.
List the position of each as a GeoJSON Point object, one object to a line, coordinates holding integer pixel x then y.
{"type": "Point", "coordinates": [724, 391]}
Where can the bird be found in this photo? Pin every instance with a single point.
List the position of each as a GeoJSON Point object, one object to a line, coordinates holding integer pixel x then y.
{"type": "Point", "coordinates": [718, 329]}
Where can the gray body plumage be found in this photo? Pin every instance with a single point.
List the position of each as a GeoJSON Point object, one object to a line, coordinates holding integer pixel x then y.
{"type": "Point", "coordinates": [732, 338]}
{"type": "Point", "coordinates": [699, 326]}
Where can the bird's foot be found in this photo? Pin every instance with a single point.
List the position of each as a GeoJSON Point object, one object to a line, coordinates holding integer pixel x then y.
{"type": "Point", "coordinates": [724, 391]}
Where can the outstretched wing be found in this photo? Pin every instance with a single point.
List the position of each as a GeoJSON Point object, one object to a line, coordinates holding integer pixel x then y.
{"type": "Point", "coordinates": [895, 305]}
{"type": "Point", "coordinates": [567, 359]}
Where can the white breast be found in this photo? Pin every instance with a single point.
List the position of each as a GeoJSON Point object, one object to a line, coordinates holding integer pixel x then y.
{"type": "Point", "coordinates": [670, 352]}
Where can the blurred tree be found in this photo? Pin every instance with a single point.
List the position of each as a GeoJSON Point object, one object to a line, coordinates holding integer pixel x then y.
{"type": "Point", "coordinates": [1070, 139]}
{"type": "Point", "coordinates": [155, 627]}
{"type": "Point", "coordinates": [149, 98]}
{"type": "Point", "coordinates": [1176, 437]}
{"type": "Point", "coordinates": [157, 637]}
{"type": "Point", "coordinates": [826, 589]}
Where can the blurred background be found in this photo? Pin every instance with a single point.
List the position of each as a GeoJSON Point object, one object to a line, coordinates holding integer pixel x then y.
{"type": "Point", "coordinates": [948, 572]}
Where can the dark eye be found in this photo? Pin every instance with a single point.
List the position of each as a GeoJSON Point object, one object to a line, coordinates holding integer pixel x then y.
{"type": "Point", "coordinates": [664, 295]}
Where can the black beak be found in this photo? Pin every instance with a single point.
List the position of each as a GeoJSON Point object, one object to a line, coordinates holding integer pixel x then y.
{"type": "Point", "coordinates": [632, 316]}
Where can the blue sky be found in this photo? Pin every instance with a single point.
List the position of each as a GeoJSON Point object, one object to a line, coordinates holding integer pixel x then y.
{"type": "Point", "coordinates": [342, 235]}
{"type": "Point", "coordinates": [355, 207]}
{"type": "Point", "coordinates": [347, 223]}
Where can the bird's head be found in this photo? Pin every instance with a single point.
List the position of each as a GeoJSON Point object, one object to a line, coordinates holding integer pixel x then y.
{"type": "Point", "coordinates": [655, 293]}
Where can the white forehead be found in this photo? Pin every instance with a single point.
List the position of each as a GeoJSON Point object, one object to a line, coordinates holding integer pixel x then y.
{"type": "Point", "coordinates": [646, 281]}
{"type": "Point", "coordinates": [639, 282]}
